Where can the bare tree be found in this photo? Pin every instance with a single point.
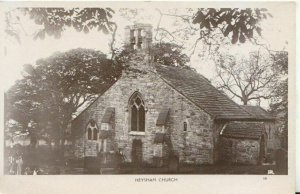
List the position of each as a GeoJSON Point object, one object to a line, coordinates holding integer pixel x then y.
{"type": "Point", "coordinates": [247, 79]}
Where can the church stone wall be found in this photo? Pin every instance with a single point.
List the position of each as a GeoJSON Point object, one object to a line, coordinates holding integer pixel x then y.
{"type": "Point", "coordinates": [192, 146]}
{"type": "Point", "coordinates": [240, 151]}
{"type": "Point", "coordinates": [273, 142]}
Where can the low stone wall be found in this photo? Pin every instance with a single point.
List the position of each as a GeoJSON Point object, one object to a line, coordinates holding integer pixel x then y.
{"type": "Point", "coordinates": [85, 148]}
{"type": "Point", "coordinates": [240, 151]}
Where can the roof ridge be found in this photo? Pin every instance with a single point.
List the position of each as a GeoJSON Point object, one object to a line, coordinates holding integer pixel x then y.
{"type": "Point", "coordinates": [267, 112]}
{"type": "Point", "coordinates": [249, 109]}
{"type": "Point", "coordinates": [210, 84]}
{"type": "Point", "coordinates": [243, 107]}
{"type": "Point", "coordinates": [184, 95]}
{"type": "Point", "coordinates": [99, 95]}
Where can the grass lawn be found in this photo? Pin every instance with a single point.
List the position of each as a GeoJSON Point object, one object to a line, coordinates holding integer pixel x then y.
{"type": "Point", "coordinates": [187, 169]}
{"type": "Point", "coordinates": [47, 160]}
{"type": "Point", "coordinates": [205, 169]}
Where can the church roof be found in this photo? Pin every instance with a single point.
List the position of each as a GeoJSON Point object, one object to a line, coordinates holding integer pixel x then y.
{"type": "Point", "coordinates": [202, 93]}
{"type": "Point", "coordinates": [85, 106]}
{"type": "Point", "coordinates": [258, 112]}
{"type": "Point", "coordinates": [248, 130]}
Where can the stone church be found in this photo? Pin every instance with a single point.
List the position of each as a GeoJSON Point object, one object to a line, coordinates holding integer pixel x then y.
{"type": "Point", "coordinates": [154, 111]}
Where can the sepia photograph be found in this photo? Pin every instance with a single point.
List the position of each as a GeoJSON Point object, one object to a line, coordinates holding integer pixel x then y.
{"type": "Point", "coordinates": [181, 90]}
{"type": "Point", "coordinates": [137, 88]}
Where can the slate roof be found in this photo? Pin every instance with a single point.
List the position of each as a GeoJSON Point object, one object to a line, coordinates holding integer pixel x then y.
{"type": "Point", "coordinates": [108, 115]}
{"type": "Point", "coordinates": [202, 93]}
{"type": "Point", "coordinates": [248, 130]}
{"type": "Point", "coordinates": [162, 117]}
{"type": "Point", "coordinates": [258, 112]}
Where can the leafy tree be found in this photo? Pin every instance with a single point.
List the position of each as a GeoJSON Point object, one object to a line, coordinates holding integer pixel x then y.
{"type": "Point", "coordinates": [54, 21]}
{"type": "Point", "coordinates": [279, 103]}
{"type": "Point", "coordinates": [43, 101]}
{"type": "Point", "coordinates": [214, 28]}
{"type": "Point", "coordinates": [247, 79]}
{"type": "Point", "coordinates": [169, 54]}
{"type": "Point", "coordinates": [280, 62]}
{"type": "Point", "coordinates": [56, 87]}
{"type": "Point", "coordinates": [240, 23]}
{"type": "Point", "coordinates": [163, 53]}
{"type": "Point", "coordinates": [21, 107]}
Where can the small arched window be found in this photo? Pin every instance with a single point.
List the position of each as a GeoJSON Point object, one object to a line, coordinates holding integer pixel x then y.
{"type": "Point", "coordinates": [92, 130]}
{"type": "Point", "coordinates": [184, 126]}
{"type": "Point", "coordinates": [95, 134]}
{"type": "Point", "coordinates": [137, 112]}
{"type": "Point", "coordinates": [89, 133]}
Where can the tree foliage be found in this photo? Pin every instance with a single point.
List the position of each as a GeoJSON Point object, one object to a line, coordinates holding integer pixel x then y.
{"type": "Point", "coordinates": [214, 24]}
{"type": "Point", "coordinates": [169, 54]}
{"type": "Point", "coordinates": [279, 103]}
{"type": "Point", "coordinates": [240, 23]}
{"type": "Point", "coordinates": [23, 108]}
{"type": "Point", "coordinates": [54, 21]}
{"type": "Point", "coordinates": [205, 31]}
{"type": "Point", "coordinates": [247, 79]}
{"type": "Point", "coordinates": [56, 87]}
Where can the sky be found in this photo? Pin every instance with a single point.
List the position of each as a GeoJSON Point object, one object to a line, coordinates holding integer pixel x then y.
{"type": "Point", "coordinates": [274, 35]}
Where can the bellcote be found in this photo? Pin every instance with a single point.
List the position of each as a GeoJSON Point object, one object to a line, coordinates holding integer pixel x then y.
{"type": "Point", "coordinates": [139, 37]}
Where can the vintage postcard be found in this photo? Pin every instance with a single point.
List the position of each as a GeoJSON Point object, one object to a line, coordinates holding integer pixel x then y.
{"type": "Point", "coordinates": [179, 97]}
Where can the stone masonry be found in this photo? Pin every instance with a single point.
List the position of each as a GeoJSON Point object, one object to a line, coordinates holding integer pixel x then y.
{"type": "Point", "coordinates": [189, 129]}
{"type": "Point", "coordinates": [192, 146]}
{"type": "Point", "coordinates": [239, 151]}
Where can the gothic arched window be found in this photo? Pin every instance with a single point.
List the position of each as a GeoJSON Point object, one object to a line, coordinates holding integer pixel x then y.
{"type": "Point", "coordinates": [92, 130]}
{"type": "Point", "coordinates": [95, 134]}
{"type": "Point", "coordinates": [89, 133]}
{"type": "Point", "coordinates": [137, 112]}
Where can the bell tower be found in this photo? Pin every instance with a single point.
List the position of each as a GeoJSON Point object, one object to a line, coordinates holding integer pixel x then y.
{"type": "Point", "coordinates": [139, 37]}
